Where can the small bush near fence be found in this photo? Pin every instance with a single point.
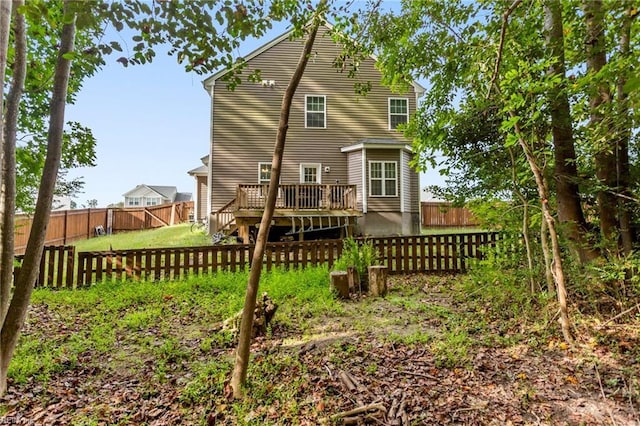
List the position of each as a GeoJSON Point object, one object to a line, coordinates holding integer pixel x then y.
{"type": "Point", "coordinates": [61, 266]}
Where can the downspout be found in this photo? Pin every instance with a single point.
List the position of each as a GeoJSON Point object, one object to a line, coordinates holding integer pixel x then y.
{"type": "Point", "coordinates": [210, 165]}
{"type": "Point", "coordinates": [365, 189]}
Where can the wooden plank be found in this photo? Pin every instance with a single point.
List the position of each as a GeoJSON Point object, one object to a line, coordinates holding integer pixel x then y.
{"type": "Point", "coordinates": [120, 271]}
{"type": "Point", "coordinates": [438, 257]}
{"type": "Point", "coordinates": [175, 254]}
{"type": "Point", "coordinates": [406, 255]}
{"type": "Point", "coordinates": [71, 257]}
{"type": "Point", "coordinates": [99, 259]}
{"type": "Point", "coordinates": [159, 257]}
{"type": "Point", "coordinates": [59, 266]}
{"type": "Point", "coordinates": [109, 266]}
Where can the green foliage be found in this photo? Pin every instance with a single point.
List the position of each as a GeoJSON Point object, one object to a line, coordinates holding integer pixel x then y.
{"type": "Point", "coordinates": [360, 255]}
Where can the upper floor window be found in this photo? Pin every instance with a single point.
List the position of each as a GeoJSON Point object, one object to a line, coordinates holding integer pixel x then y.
{"type": "Point", "coordinates": [315, 111]}
{"type": "Point", "coordinates": [383, 178]}
{"type": "Point", "coordinates": [152, 201]}
{"type": "Point", "coordinates": [134, 201]}
{"type": "Point", "coordinates": [398, 112]}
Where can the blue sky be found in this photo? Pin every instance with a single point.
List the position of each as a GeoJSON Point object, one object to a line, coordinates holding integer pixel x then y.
{"type": "Point", "coordinates": [152, 126]}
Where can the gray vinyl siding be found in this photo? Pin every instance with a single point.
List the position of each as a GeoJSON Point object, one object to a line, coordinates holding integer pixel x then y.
{"type": "Point", "coordinates": [409, 183]}
{"type": "Point", "coordinates": [354, 167]}
{"type": "Point", "coordinates": [201, 187]}
{"type": "Point", "coordinates": [384, 204]}
{"type": "Point", "coordinates": [245, 120]}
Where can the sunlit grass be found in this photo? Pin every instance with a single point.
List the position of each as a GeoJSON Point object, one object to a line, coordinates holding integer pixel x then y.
{"type": "Point", "coordinates": [168, 236]}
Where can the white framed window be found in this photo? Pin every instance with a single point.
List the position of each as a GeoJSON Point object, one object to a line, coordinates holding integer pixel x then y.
{"type": "Point", "coordinates": [264, 177]}
{"type": "Point", "coordinates": [152, 201]}
{"type": "Point", "coordinates": [398, 112]}
{"type": "Point", "coordinates": [134, 201]}
{"type": "Point", "coordinates": [315, 112]}
{"type": "Point", "coordinates": [383, 178]}
{"type": "Point", "coordinates": [264, 173]}
{"type": "Point", "coordinates": [310, 173]}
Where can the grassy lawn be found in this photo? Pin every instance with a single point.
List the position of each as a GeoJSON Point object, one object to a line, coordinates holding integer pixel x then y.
{"type": "Point", "coordinates": [168, 236]}
{"type": "Point", "coordinates": [446, 230]}
{"type": "Point", "coordinates": [452, 350]}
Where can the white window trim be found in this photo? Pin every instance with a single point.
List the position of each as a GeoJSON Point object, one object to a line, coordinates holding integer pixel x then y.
{"type": "Point", "coordinates": [260, 164]}
{"type": "Point", "coordinates": [383, 195]}
{"type": "Point", "coordinates": [324, 111]}
{"type": "Point", "coordinates": [318, 166]}
{"type": "Point", "coordinates": [389, 111]}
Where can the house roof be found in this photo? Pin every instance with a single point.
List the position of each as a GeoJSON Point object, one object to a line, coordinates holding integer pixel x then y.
{"type": "Point", "coordinates": [211, 81]}
{"type": "Point", "coordinates": [182, 196]}
{"type": "Point", "coordinates": [163, 191]}
{"type": "Point", "coordinates": [377, 143]}
{"type": "Point", "coordinates": [201, 170]}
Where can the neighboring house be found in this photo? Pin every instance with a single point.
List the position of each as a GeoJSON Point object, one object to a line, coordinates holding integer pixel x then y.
{"type": "Point", "coordinates": [153, 195]}
{"type": "Point", "coordinates": [345, 164]}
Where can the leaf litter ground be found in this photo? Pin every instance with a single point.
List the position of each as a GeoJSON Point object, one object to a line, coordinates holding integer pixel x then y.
{"type": "Point", "coordinates": [411, 358]}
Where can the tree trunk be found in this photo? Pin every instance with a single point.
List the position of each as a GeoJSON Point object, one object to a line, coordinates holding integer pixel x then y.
{"type": "Point", "coordinates": [570, 212]}
{"type": "Point", "coordinates": [625, 208]}
{"type": "Point", "coordinates": [244, 339]}
{"type": "Point", "coordinates": [30, 266]}
{"type": "Point", "coordinates": [605, 155]}
{"type": "Point", "coordinates": [557, 269]}
{"type": "Point", "coordinates": [544, 246]}
{"type": "Point", "coordinates": [5, 23]}
{"type": "Point", "coordinates": [525, 219]}
{"type": "Point", "coordinates": [8, 187]}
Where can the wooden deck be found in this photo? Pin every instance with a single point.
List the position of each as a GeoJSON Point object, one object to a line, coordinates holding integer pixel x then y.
{"type": "Point", "coordinates": [302, 207]}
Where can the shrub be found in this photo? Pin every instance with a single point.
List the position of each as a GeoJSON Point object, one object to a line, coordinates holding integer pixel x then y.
{"type": "Point", "coordinates": [360, 256]}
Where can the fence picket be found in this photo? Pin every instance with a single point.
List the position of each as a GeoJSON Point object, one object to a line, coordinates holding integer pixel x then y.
{"type": "Point", "coordinates": [406, 254]}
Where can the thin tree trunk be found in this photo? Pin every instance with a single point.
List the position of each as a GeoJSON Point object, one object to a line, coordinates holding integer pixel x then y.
{"type": "Point", "coordinates": [557, 269]}
{"type": "Point", "coordinates": [525, 219]}
{"type": "Point", "coordinates": [8, 191]}
{"type": "Point", "coordinates": [239, 376]}
{"type": "Point", "coordinates": [5, 23]}
{"type": "Point", "coordinates": [544, 246]}
{"type": "Point", "coordinates": [543, 193]}
{"type": "Point", "coordinates": [605, 156]}
{"type": "Point", "coordinates": [570, 212]}
{"type": "Point", "coordinates": [27, 277]}
{"type": "Point", "coordinates": [625, 208]}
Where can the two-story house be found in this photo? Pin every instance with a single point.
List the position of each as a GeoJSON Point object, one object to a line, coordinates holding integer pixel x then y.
{"type": "Point", "coordinates": [153, 195]}
{"type": "Point", "coordinates": [345, 165]}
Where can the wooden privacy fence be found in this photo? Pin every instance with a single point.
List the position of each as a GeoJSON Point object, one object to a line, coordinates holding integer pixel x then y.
{"type": "Point", "coordinates": [444, 214]}
{"type": "Point", "coordinates": [66, 226]}
{"type": "Point", "coordinates": [62, 267]}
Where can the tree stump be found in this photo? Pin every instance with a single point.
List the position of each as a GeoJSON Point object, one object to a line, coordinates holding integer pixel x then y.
{"type": "Point", "coordinates": [354, 279]}
{"type": "Point", "coordinates": [378, 280]}
{"type": "Point", "coordinates": [340, 284]}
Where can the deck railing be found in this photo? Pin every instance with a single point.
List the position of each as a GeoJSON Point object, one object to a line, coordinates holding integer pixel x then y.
{"type": "Point", "coordinates": [299, 197]}
{"type": "Point", "coordinates": [224, 217]}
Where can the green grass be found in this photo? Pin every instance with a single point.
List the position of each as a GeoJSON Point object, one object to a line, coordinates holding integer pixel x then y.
{"type": "Point", "coordinates": [451, 230]}
{"type": "Point", "coordinates": [168, 236]}
{"type": "Point", "coordinates": [126, 319]}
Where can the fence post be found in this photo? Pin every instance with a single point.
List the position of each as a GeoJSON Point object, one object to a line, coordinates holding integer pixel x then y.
{"type": "Point", "coordinates": [64, 235]}
{"type": "Point", "coordinates": [71, 258]}
{"type": "Point", "coordinates": [88, 223]}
